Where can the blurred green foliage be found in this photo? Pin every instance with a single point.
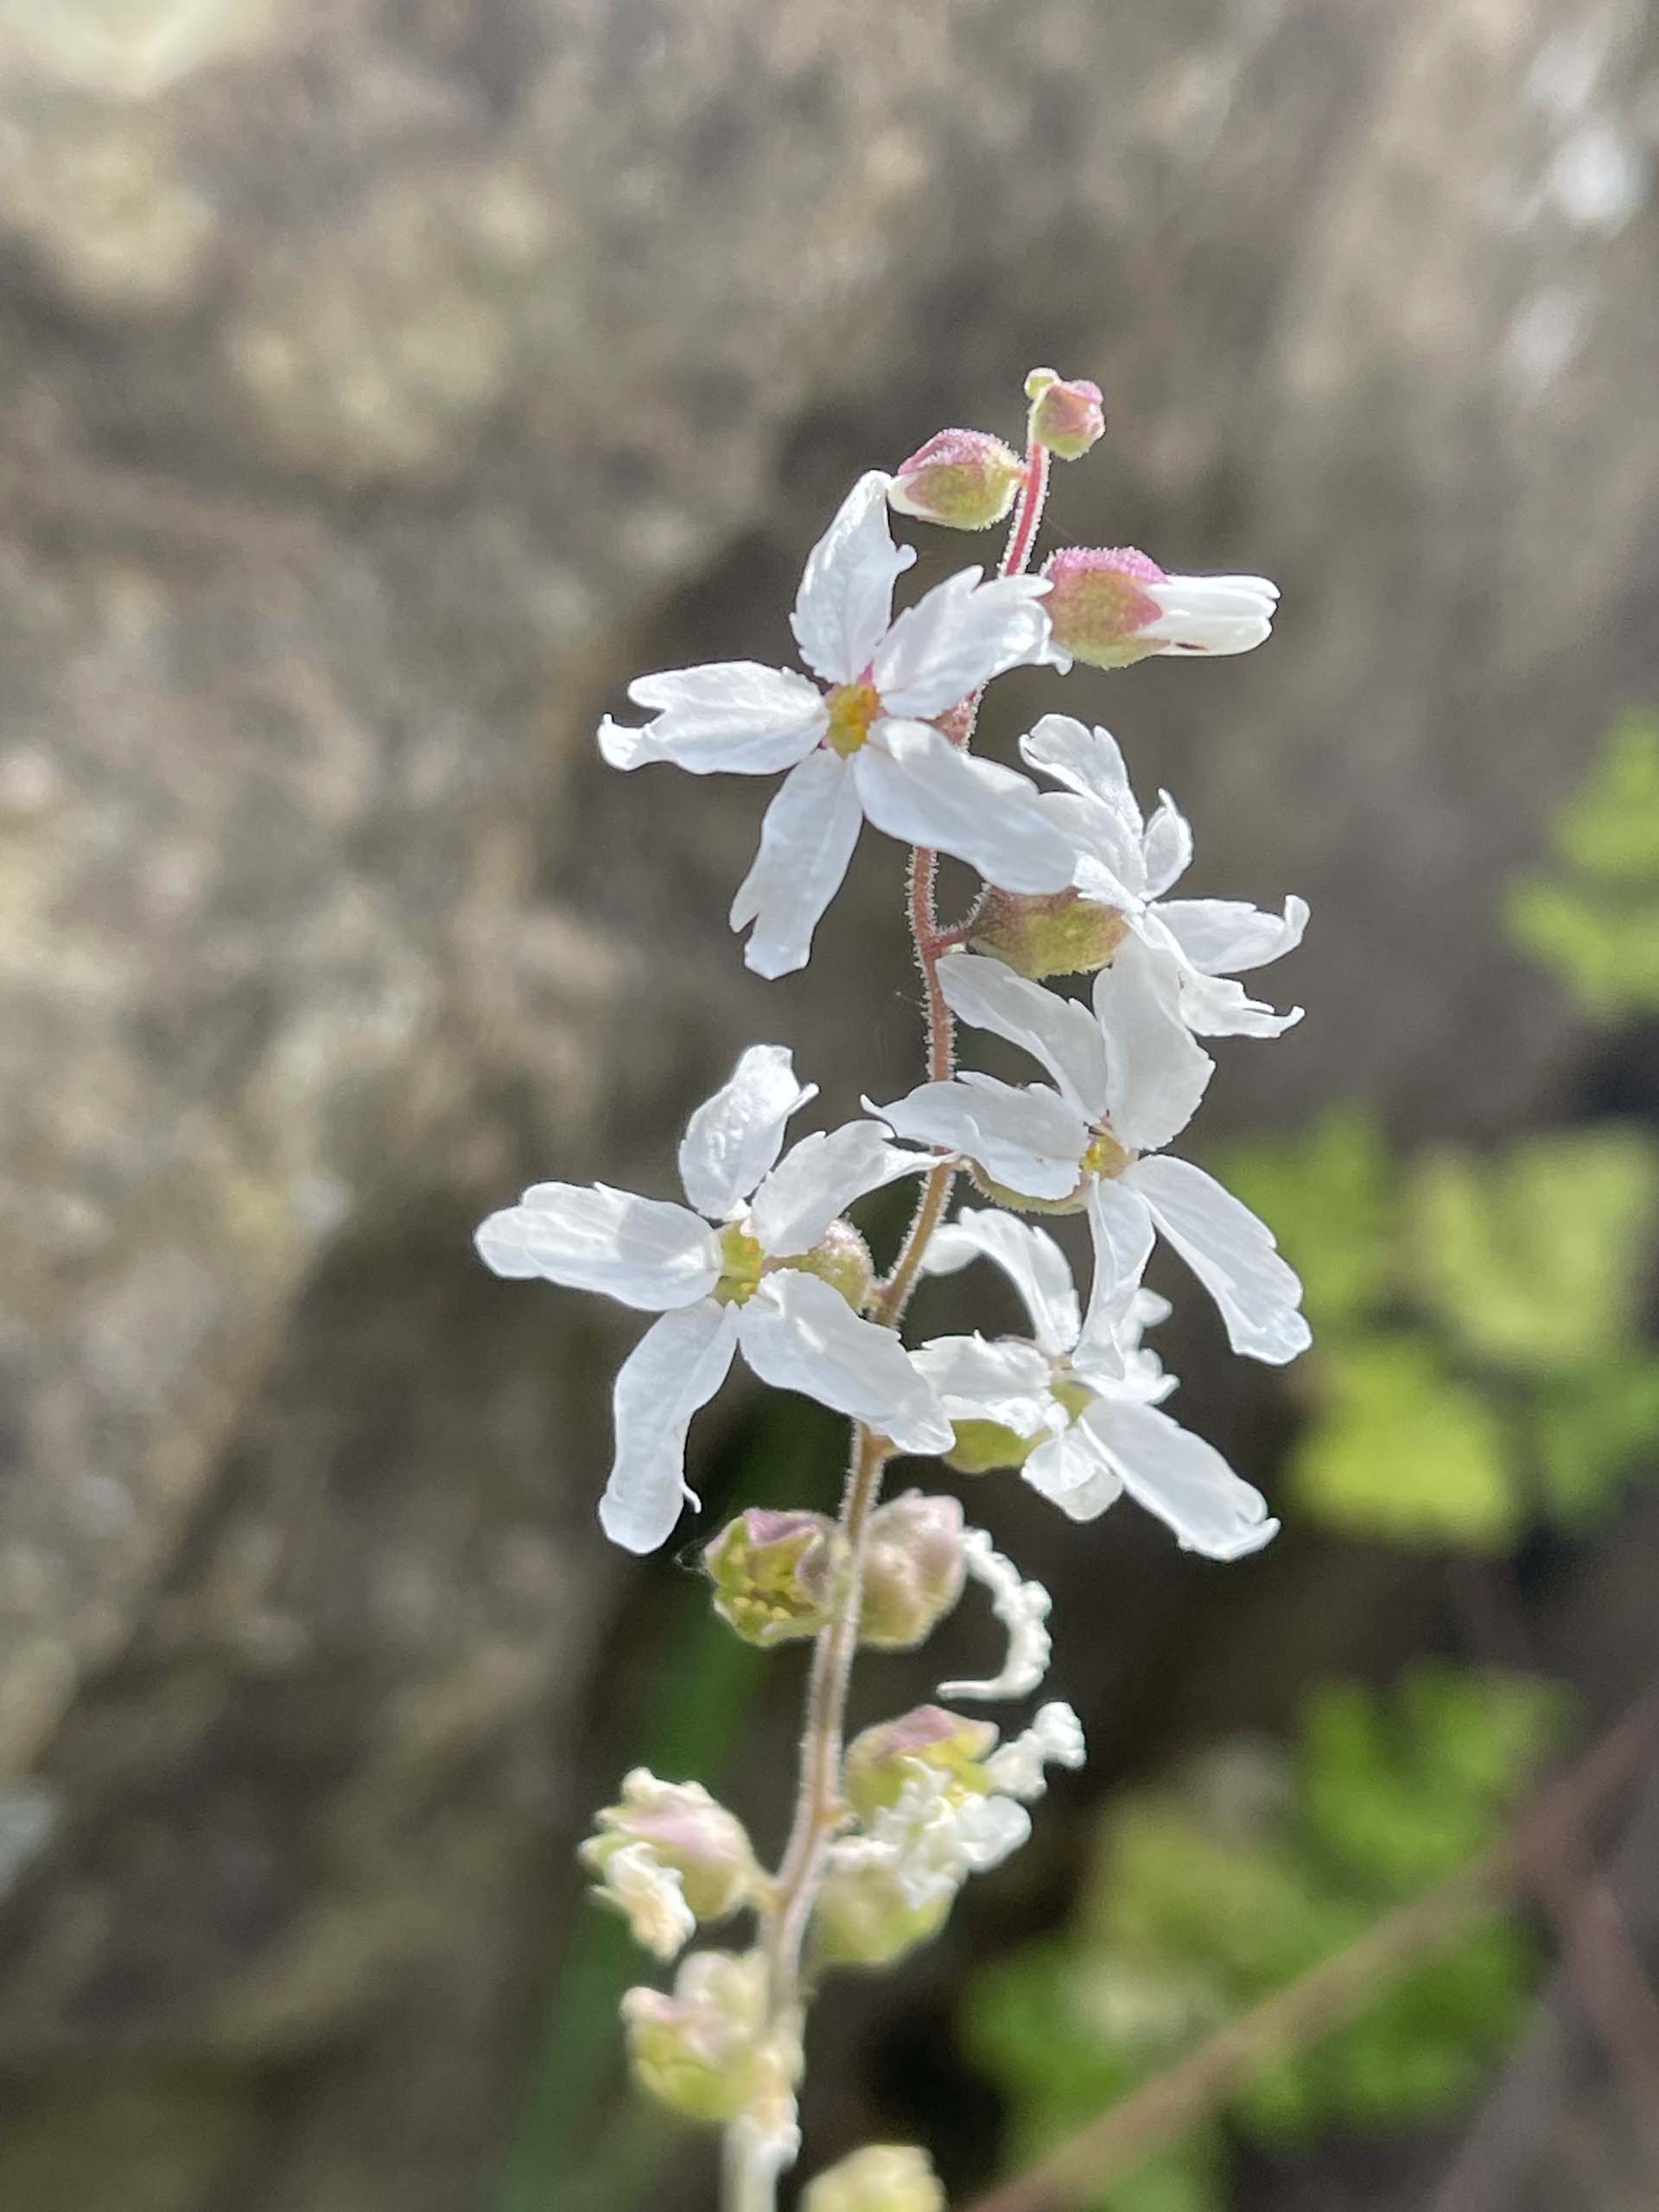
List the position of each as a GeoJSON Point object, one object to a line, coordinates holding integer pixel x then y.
{"type": "Point", "coordinates": [1479, 1361]}
{"type": "Point", "coordinates": [1595, 921]}
{"type": "Point", "coordinates": [1480, 1366]}
{"type": "Point", "coordinates": [1209, 1895]}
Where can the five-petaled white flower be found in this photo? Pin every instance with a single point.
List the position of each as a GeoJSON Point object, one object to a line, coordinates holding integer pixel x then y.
{"type": "Point", "coordinates": [1126, 1081]}
{"type": "Point", "coordinates": [727, 1277]}
{"type": "Point", "coordinates": [1083, 1396]}
{"type": "Point", "coordinates": [864, 747]}
{"type": "Point", "coordinates": [1123, 862]}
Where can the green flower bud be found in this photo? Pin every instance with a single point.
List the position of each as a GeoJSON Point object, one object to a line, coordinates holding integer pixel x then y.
{"type": "Point", "coordinates": [699, 2050]}
{"type": "Point", "coordinates": [964, 479]}
{"type": "Point", "coordinates": [1068, 417]}
{"type": "Point", "coordinates": [863, 1917]}
{"type": "Point", "coordinates": [886, 2177]}
{"type": "Point", "coordinates": [1045, 933]}
{"type": "Point", "coordinates": [881, 1759]}
{"type": "Point", "coordinates": [840, 1258]}
{"type": "Point", "coordinates": [914, 1570]}
{"type": "Point", "coordinates": [776, 1574]}
{"type": "Point", "coordinates": [685, 1831]}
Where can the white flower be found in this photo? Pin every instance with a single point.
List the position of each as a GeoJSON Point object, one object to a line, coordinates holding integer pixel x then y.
{"type": "Point", "coordinates": [1023, 1609]}
{"type": "Point", "coordinates": [933, 1837]}
{"type": "Point", "coordinates": [863, 749]}
{"type": "Point", "coordinates": [1054, 1739]}
{"type": "Point", "coordinates": [1126, 1082]}
{"type": "Point", "coordinates": [1115, 1440]}
{"type": "Point", "coordinates": [1195, 944]}
{"type": "Point", "coordinates": [1111, 604]}
{"type": "Point", "coordinates": [721, 1279]}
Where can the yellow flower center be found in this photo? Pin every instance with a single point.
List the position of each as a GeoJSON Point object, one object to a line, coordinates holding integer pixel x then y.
{"type": "Point", "coordinates": [1106, 1156]}
{"type": "Point", "coordinates": [853, 707]}
{"type": "Point", "coordinates": [741, 1262]}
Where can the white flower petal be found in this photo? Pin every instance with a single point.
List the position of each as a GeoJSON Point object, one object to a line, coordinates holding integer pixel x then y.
{"type": "Point", "coordinates": [956, 638]}
{"type": "Point", "coordinates": [1029, 1138]}
{"type": "Point", "coordinates": [676, 1367]}
{"type": "Point", "coordinates": [1121, 1231]}
{"type": "Point", "coordinates": [734, 717]}
{"type": "Point", "coordinates": [646, 1253]}
{"type": "Point", "coordinates": [1108, 865]}
{"type": "Point", "coordinates": [1023, 1609]}
{"type": "Point", "coordinates": [807, 837]}
{"type": "Point", "coordinates": [1072, 1472]}
{"type": "Point", "coordinates": [1087, 761]}
{"type": "Point", "coordinates": [1182, 1479]}
{"type": "Point", "coordinates": [1231, 1253]}
{"type": "Point", "coordinates": [998, 1381]}
{"type": "Point", "coordinates": [1028, 1255]}
{"type": "Point", "coordinates": [798, 1334]}
{"type": "Point", "coordinates": [919, 788]}
{"type": "Point", "coordinates": [1214, 614]}
{"type": "Point", "coordinates": [1054, 1739]}
{"type": "Point", "coordinates": [1157, 1073]}
{"type": "Point", "coordinates": [820, 1178]}
{"type": "Point", "coordinates": [1058, 1032]}
{"type": "Point", "coordinates": [734, 1137]}
{"type": "Point", "coordinates": [1227, 937]}
{"type": "Point", "coordinates": [1168, 847]}
{"type": "Point", "coordinates": [651, 1898]}
{"type": "Point", "coordinates": [845, 601]}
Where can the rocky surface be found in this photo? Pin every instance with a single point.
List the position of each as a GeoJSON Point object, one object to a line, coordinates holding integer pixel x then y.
{"type": "Point", "coordinates": [385, 381]}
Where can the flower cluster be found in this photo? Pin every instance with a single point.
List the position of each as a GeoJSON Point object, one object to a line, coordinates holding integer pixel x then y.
{"type": "Point", "coordinates": [764, 1259]}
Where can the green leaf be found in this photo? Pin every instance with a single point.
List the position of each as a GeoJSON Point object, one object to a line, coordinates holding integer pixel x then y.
{"type": "Point", "coordinates": [1532, 1259]}
{"type": "Point", "coordinates": [1206, 1898]}
{"type": "Point", "coordinates": [1597, 924]}
{"type": "Point", "coordinates": [1331, 1198]}
{"type": "Point", "coordinates": [1402, 1451]}
{"type": "Point", "coordinates": [1611, 830]}
{"type": "Point", "coordinates": [1595, 1431]}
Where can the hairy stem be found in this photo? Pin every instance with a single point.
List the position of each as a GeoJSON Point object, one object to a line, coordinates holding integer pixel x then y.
{"type": "Point", "coordinates": [819, 1809]}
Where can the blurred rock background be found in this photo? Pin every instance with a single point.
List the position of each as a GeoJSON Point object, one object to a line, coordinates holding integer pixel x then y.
{"type": "Point", "coordinates": [382, 383]}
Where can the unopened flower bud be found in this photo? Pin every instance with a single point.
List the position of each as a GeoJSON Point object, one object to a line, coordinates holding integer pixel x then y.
{"type": "Point", "coordinates": [699, 2050]}
{"type": "Point", "coordinates": [683, 1830]}
{"type": "Point", "coordinates": [1045, 933]}
{"type": "Point", "coordinates": [964, 479]}
{"type": "Point", "coordinates": [882, 1759]}
{"type": "Point", "coordinates": [1109, 606]}
{"type": "Point", "coordinates": [914, 1570]}
{"type": "Point", "coordinates": [863, 1917]}
{"type": "Point", "coordinates": [886, 2178]}
{"type": "Point", "coordinates": [840, 1258]}
{"type": "Point", "coordinates": [776, 1574]}
{"type": "Point", "coordinates": [1066, 416]}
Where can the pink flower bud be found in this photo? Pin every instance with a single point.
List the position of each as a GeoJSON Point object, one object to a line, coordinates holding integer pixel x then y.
{"type": "Point", "coordinates": [914, 1570]}
{"type": "Point", "coordinates": [1045, 933]}
{"type": "Point", "coordinates": [880, 1760]}
{"type": "Point", "coordinates": [1110, 606]}
{"type": "Point", "coordinates": [776, 1574]}
{"type": "Point", "coordinates": [1067, 417]}
{"type": "Point", "coordinates": [685, 1831]}
{"type": "Point", "coordinates": [699, 2050]}
{"type": "Point", "coordinates": [964, 479]}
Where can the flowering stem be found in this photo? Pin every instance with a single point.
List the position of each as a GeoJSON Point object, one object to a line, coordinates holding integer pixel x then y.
{"type": "Point", "coordinates": [819, 1809]}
